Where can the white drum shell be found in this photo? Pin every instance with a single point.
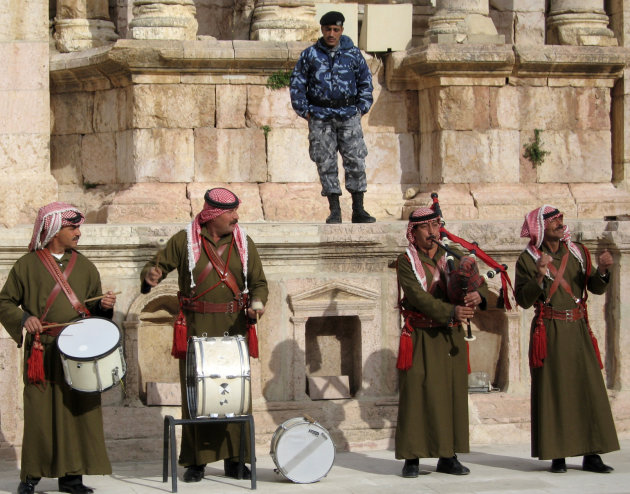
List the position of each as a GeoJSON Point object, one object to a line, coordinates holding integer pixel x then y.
{"type": "Point", "coordinates": [91, 355]}
{"type": "Point", "coordinates": [302, 451]}
{"type": "Point", "coordinates": [218, 376]}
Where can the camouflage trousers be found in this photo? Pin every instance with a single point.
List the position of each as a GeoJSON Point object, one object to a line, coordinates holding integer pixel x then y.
{"type": "Point", "coordinates": [326, 137]}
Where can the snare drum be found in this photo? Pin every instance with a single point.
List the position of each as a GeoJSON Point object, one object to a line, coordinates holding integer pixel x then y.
{"type": "Point", "coordinates": [303, 451]}
{"type": "Point", "coordinates": [91, 354]}
{"type": "Point", "coordinates": [218, 376]}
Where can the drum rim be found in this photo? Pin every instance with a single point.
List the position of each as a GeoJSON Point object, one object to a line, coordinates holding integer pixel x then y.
{"type": "Point", "coordinates": [101, 355]}
{"type": "Point", "coordinates": [274, 455]}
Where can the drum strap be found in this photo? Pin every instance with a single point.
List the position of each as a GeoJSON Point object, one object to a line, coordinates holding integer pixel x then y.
{"type": "Point", "coordinates": [62, 282]}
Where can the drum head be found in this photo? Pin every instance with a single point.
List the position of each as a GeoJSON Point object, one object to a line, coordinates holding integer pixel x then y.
{"type": "Point", "coordinates": [88, 338]}
{"type": "Point", "coordinates": [304, 452]}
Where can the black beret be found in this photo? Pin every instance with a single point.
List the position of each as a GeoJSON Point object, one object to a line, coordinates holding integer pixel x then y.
{"type": "Point", "coordinates": [332, 18]}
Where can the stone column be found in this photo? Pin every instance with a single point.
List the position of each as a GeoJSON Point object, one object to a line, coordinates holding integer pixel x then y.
{"type": "Point", "coordinates": [279, 20]}
{"type": "Point", "coordinates": [579, 22]}
{"type": "Point", "coordinates": [164, 19]}
{"type": "Point", "coordinates": [462, 21]}
{"type": "Point", "coordinates": [83, 24]}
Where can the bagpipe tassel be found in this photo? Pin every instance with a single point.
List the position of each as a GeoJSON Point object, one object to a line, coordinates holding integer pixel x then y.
{"type": "Point", "coordinates": [180, 332]}
{"type": "Point", "coordinates": [252, 340]}
{"type": "Point", "coordinates": [405, 350]}
{"type": "Point", "coordinates": [36, 362]}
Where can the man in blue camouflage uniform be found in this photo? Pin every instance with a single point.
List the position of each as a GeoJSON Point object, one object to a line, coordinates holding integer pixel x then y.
{"type": "Point", "coordinates": [331, 87]}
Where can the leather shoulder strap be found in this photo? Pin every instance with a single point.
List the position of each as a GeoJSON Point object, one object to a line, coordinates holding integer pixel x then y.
{"type": "Point", "coordinates": [223, 269]}
{"type": "Point", "coordinates": [51, 266]}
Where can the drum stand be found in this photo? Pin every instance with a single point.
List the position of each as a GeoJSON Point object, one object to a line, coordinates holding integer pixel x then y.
{"type": "Point", "coordinates": [169, 440]}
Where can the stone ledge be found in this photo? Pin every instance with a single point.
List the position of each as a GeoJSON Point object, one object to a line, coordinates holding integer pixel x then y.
{"type": "Point", "coordinates": [114, 65]}
{"type": "Point", "coordinates": [570, 61]}
{"type": "Point", "coordinates": [410, 69]}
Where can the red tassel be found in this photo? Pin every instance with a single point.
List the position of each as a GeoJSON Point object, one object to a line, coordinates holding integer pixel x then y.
{"type": "Point", "coordinates": [36, 362]}
{"type": "Point", "coordinates": [252, 340]}
{"type": "Point", "coordinates": [180, 333]}
{"type": "Point", "coordinates": [538, 348]}
{"type": "Point", "coordinates": [468, 356]}
{"type": "Point", "coordinates": [405, 350]}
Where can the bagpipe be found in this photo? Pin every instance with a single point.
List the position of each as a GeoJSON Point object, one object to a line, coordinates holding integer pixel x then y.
{"type": "Point", "coordinates": [466, 278]}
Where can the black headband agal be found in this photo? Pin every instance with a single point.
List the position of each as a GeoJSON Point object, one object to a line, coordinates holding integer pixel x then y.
{"type": "Point", "coordinates": [550, 214]}
{"type": "Point", "coordinates": [426, 217]}
{"type": "Point", "coordinates": [75, 219]}
{"type": "Point", "coordinates": [221, 205]}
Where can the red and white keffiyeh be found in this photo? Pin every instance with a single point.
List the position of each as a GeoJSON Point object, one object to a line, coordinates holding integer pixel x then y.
{"type": "Point", "coordinates": [217, 202]}
{"type": "Point", "coordinates": [419, 216]}
{"type": "Point", "coordinates": [50, 219]}
{"type": "Point", "coordinates": [534, 229]}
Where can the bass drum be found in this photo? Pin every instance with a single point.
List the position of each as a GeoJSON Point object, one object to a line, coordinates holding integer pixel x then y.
{"type": "Point", "coordinates": [302, 450]}
{"type": "Point", "coordinates": [91, 355]}
{"type": "Point", "coordinates": [218, 377]}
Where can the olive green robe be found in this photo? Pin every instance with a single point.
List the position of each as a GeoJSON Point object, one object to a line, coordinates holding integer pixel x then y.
{"type": "Point", "coordinates": [433, 393]}
{"type": "Point", "coordinates": [209, 443]}
{"type": "Point", "coordinates": [569, 405]}
{"type": "Point", "coordinates": [63, 428]}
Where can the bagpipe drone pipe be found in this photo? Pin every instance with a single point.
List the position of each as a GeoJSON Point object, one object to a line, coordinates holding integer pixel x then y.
{"type": "Point", "coordinates": [466, 278]}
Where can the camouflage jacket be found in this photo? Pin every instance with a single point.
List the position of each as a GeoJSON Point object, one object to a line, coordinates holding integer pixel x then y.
{"type": "Point", "coordinates": [321, 82]}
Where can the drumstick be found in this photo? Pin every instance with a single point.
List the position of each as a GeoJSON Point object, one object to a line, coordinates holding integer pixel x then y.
{"type": "Point", "coordinates": [99, 297]}
{"type": "Point", "coordinates": [56, 325]}
{"type": "Point", "coordinates": [309, 419]}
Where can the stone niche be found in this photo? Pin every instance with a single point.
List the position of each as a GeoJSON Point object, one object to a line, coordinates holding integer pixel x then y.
{"type": "Point", "coordinates": [334, 326]}
{"type": "Point", "coordinates": [152, 374]}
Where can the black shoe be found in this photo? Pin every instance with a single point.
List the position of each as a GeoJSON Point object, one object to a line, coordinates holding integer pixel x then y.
{"type": "Point", "coordinates": [335, 210]}
{"type": "Point", "coordinates": [360, 215]}
{"type": "Point", "coordinates": [28, 486]}
{"type": "Point", "coordinates": [231, 470]}
{"type": "Point", "coordinates": [74, 485]}
{"type": "Point", "coordinates": [593, 463]}
{"type": "Point", "coordinates": [558, 465]}
{"type": "Point", "coordinates": [194, 473]}
{"type": "Point", "coordinates": [451, 466]}
{"type": "Point", "coordinates": [411, 468]}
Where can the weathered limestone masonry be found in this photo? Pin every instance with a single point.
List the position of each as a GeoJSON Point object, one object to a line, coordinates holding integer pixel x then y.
{"type": "Point", "coordinates": [131, 110]}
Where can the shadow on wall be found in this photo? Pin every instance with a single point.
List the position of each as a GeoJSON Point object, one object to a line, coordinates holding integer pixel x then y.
{"type": "Point", "coordinates": [329, 413]}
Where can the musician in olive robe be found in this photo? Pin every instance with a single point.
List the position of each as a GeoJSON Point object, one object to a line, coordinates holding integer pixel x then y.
{"type": "Point", "coordinates": [210, 307]}
{"type": "Point", "coordinates": [63, 428]}
{"type": "Point", "coordinates": [570, 411]}
{"type": "Point", "coordinates": [433, 387]}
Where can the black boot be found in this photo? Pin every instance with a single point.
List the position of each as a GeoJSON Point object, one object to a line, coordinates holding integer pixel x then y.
{"type": "Point", "coordinates": [335, 209]}
{"type": "Point", "coordinates": [451, 466]}
{"type": "Point", "coordinates": [230, 467]}
{"type": "Point", "coordinates": [194, 473]}
{"type": "Point", "coordinates": [593, 463]}
{"type": "Point", "coordinates": [28, 486]}
{"type": "Point", "coordinates": [360, 215]}
{"type": "Point", "coordinates": [558, 465]}
{"type": "Point", "coordinates": [411, 468]}
{"type": "Point", "coordinates": [74, 485]}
